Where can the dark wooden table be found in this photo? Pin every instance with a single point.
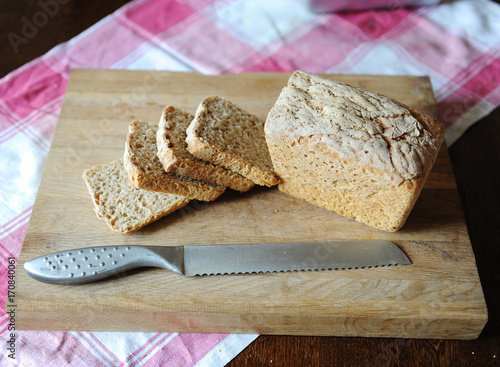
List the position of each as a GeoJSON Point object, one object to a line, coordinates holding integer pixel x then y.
{"type": "Point", "coordinates": [476, 161]}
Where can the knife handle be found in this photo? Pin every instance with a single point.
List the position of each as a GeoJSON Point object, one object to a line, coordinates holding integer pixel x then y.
{"type": "Point", "coordinates": [90, 264]}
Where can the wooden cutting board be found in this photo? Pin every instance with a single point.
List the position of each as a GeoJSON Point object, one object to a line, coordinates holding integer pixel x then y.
{"type": "Point", "coordinates": [438, 296]}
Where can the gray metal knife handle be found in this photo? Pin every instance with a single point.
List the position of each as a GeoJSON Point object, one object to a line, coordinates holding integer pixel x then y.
{"type": "Point", "coordinates": [95, 263]}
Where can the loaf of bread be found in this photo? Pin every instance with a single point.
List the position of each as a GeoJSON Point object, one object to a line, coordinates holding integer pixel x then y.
{"type": "Point", "coordinates": [123, 207]}
{"type": "Point", "coordinates": [173, 153]}
{"type": "Point", "coordinates": [227, 136]}
{"type": "Point", "coordinates": [356, 152]}
{"type": "Point", "coordinates": [146, 171]}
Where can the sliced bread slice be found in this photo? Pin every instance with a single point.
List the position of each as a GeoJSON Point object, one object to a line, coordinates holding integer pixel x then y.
{"type": "Point", "coordinates": [146, 171]}
{"type": "Point", "coordinates": [173, 153]}
{"type": "Point", "coordinates": [123, 207]}
{"type": "Point", "coordinates": [227, 136]}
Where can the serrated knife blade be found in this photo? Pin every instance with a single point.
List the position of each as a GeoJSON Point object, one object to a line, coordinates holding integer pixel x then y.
{"type": "Point", "coordinates": [95, 263]}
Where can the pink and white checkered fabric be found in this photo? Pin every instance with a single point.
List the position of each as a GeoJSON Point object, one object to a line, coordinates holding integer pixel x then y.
{"type": "Point", "coordinates": [456, 44]}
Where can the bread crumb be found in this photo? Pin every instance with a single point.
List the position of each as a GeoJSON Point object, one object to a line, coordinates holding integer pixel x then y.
{"type": "Point", "coordinates": [122, 207]}
{"type": "Point", "coordinates": [146, 171]}
{"type": "Point", "coordinates": [173, 154]}
{"type": "Point", "coordinates": [242, 148]}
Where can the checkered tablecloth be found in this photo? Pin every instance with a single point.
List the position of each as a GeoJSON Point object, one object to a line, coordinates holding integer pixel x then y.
{"type": "Point", "coordinates": [457, 44]}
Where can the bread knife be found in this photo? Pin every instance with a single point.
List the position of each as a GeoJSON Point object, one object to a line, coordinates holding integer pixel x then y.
{"type": "Point", "coordinates": [95, 263]}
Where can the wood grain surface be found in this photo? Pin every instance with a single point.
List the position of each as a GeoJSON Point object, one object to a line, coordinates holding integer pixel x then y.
{"type": "Point", "coordinates": [438, 296]}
